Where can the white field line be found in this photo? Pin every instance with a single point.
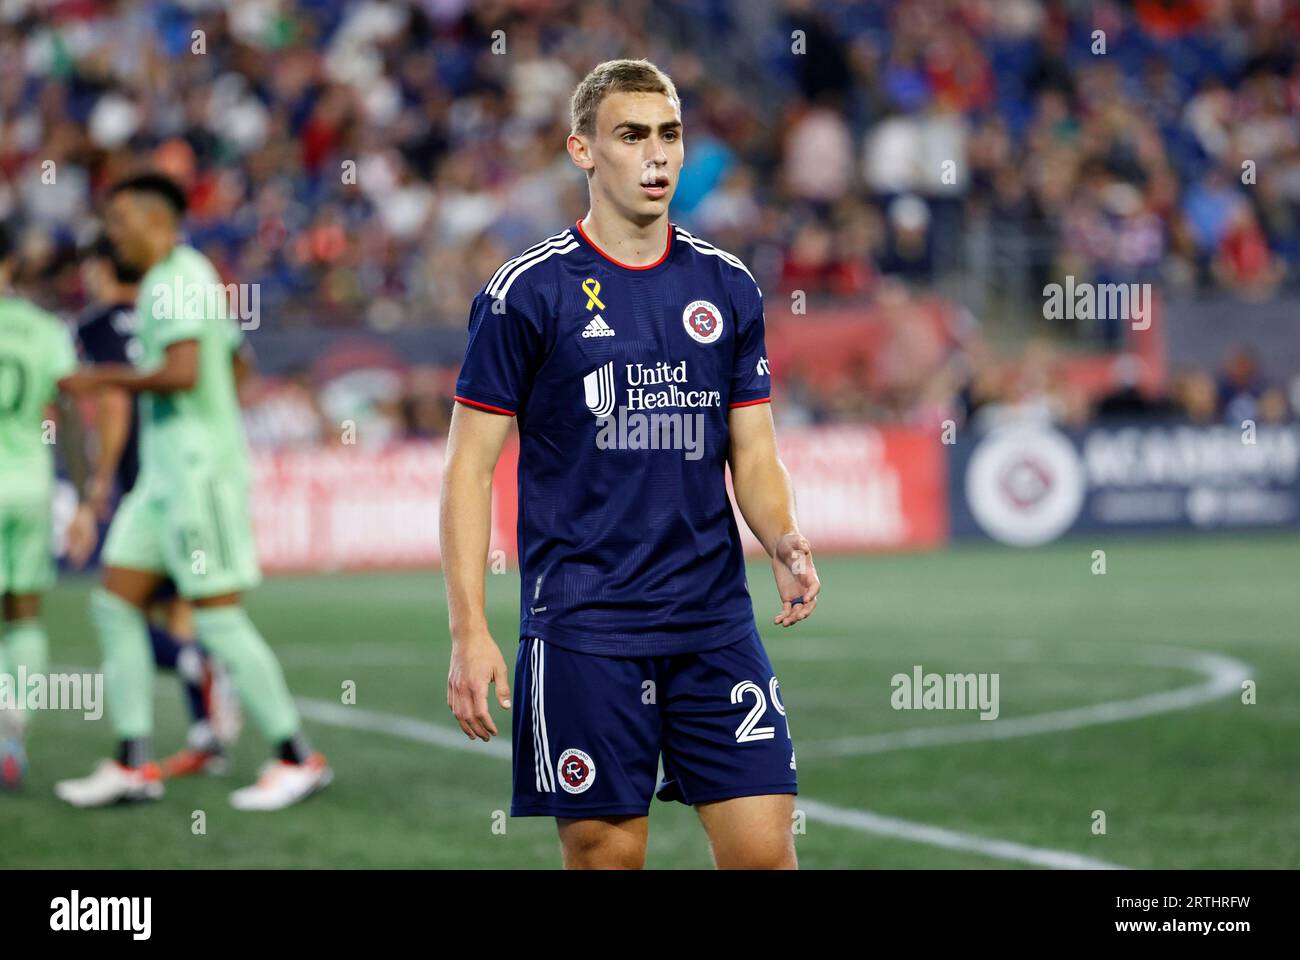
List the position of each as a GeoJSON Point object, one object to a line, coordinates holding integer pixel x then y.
{"type": "Point", "coordinates": [408, 728]}
{"type": "Point", "coordinates": [867, 822]}
{"type": "Point", "coordinates": [1223, 677]}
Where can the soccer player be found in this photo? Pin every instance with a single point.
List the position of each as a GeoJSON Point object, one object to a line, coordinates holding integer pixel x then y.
{"type": "Point", "coordinates": [35, 351]}
{"type": "Point", "coordinates": [631, 355]}
{"type": "Point", "coordinates": [187, 516]}
{"type": "Point", "coordinates": [106, 334]}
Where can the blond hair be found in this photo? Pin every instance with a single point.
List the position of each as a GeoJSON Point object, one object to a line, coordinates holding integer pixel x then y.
{"type": "Point", "coordinates": [615, 76]}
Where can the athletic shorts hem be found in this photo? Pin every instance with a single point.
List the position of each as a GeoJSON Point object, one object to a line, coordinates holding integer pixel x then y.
{"type": "Point", "coordinates": [545, 810]}
{"type": "Point", "coordinates": [220, 589]}
{"type": "Point", "coordinates": [733, 793]}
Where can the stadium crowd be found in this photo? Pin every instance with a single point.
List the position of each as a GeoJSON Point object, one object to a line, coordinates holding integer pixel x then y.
{"type": "Point", "coordinates": [370, 162]}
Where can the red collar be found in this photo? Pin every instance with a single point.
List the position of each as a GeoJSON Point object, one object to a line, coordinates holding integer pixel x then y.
{"type": "Point", "coordinates": [628, 266]}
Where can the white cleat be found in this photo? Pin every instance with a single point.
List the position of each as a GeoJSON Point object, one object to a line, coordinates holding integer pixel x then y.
{"type": "Point", "coordinates": [112, 783]}
{"type": "Point", "coordinates": [283, 784]}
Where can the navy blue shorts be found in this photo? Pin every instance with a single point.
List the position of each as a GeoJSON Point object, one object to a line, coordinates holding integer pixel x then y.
{"type": "Point", "coordinates": [589, 730]}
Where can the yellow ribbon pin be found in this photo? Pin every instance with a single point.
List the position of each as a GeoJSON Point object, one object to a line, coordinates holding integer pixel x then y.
{"type": "Point", "coordinates": [591, 287]}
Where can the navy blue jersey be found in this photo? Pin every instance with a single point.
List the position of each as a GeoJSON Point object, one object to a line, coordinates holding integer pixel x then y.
{"type": "Point", "coordinates": [107, 335]}
{"type": "Point", "coordinates": [622, 379]}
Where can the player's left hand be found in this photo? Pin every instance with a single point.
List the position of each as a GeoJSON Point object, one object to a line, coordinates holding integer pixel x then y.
{"type": "Point", "coordinates": [796, 579]}
{"type": "Point", "coordinates": [83, 532]}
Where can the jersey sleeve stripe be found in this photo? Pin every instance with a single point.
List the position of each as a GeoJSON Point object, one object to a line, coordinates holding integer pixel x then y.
{"type": "Point", "coordinates": [483, 406]}
{"type": "Point", "coordinates": [503, 285]}
{"type": "Point", "coordinates": [535, 248]}
{"type": "Point", "coordinates": [702, 246]}
{"type": "Point", "coordinates": [749, 403]}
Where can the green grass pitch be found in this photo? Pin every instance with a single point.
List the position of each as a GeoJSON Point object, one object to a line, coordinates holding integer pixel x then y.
{"type": "Point", "coordinates": [1214, 784]}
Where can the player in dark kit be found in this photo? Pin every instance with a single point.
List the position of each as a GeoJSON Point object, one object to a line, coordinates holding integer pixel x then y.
{"type": "Point", "coordinates": [631, 354]}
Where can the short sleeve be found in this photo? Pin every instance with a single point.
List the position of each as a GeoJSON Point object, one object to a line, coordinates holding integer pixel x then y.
{"type": "Point", "coordinates": [751, 380]}
{"type": "Point", "coordinates": [179, 303]}
{"type": "Point", "coordinates": [63, 352]}
{"type": "Point", "coordinates": [500, 358]}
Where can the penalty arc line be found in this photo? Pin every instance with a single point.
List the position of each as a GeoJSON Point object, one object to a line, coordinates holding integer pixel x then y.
{"type": "Point", "coordinates": [1223, 676]}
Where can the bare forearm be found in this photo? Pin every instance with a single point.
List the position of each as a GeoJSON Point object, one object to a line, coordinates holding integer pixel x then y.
{"type": "Point", "coordinates": [73, 445]}
{"type": "Point", "coordinates": [765, 496]}
{"type": "Point", "coordinates": [113, 423]}
{"type": "Point", "coordinates": [465, 525]}
{"type": "Point", "coordinates": [123, 376]}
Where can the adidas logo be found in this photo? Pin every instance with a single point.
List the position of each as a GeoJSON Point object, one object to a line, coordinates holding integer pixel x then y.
{"type": "Point", "coordinates": [598, 328]}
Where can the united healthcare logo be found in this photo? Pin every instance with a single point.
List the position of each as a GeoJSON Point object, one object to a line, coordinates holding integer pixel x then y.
{"type": "Point", "coordinates": [662, 387]}
{"type": "Point", "coordinates": [598, 386]}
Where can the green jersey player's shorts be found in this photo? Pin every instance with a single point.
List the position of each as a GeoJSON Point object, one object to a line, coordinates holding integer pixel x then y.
{"type": "Point", "coordinates": [26, 557]}
{"type": "Point", "coordinates": [188, 514]}
{"type": "Point", "coordinates": [196, 528]}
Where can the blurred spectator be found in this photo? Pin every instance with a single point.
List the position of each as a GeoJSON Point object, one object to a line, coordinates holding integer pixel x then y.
{"type": "Point", "coordinates": [1127, 400]}
{"type": "Point", "coordinates": [1198, 396]}
{"type": "Point", "coordinates": [365, 161]}
{"type": "Point", "coordinates": [1240, 386]}
{"type": "Point", "coordinates": [370, 163]}
{"type": "Point", "coordinates": [1243, 263]}
{"type": "Point", "coordinates": [283, 413]}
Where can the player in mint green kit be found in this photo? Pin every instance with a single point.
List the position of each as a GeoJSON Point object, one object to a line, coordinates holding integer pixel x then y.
{"type": "Point", "coordinates": [187, 516]}
{"type": "Point", "coordinates": [35, 351]}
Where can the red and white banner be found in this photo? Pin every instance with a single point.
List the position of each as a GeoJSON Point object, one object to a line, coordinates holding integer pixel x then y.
{"type": "Point", "coordinates": [861, 488]}
{"type": "Point", "coordinates": [336, 508]}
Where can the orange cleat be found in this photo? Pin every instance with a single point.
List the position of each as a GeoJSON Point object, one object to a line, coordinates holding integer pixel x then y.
{"type": "Point", "coordinates": [189, 761]}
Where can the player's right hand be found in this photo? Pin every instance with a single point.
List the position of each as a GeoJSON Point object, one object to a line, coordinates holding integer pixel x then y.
{"type": "Point", "coordinates": [475, 663]}
{"type": "Point", "coordinates": [83, 532]}
{"type": "Point", "coordinates": [98, 493]}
